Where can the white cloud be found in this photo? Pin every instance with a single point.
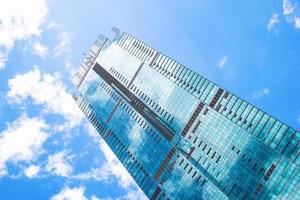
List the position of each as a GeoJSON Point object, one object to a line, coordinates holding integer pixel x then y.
{"type": "Point", "coordinates": [273, 20]}
{"type": "Point", "coordinates": [47, 90]}
{"type": "Point", "coordinates": [22, 141]}
{"type": "Point", "coordinates": [260, 93]}
{"type": "Point", "coordinates": [32, 171]}
{"type": "Point", "coordinates": [52, 25]}
{"type": "Point", "coordinates": [19, 20]}
{"type": "Point", "coordinates": [136, 194]}
{"type": "Point", "coordinates": [131, 194]}
{"type": "Point", "coordinates": [68, 64]}
{"type": "Point", "coordinates": [3, 58]}
{"type": "Point", "coordinates": [290, 12]}
{"type": "Point", "coordinates": [59, 165]}
{"type": "Point", "coordinates": [297, 22]}
{"type": "Point", "coordinates": [70, 68]}
{"type": "Point", "coordinates": [70, 194]}
{"type": "Point", "coordinates": [98, 174]}
{"type": "Point", "coordinates": [287, 7]}
{"type": "Point", "coordinates": [40, 49]}
{"type": "Point", "coordinates": [64, 44]}
{"type": "Point", "coordinates": [112, 167]}
{"type": "Point", "coordinates": [221, 63]}
{"type": "Point", "coordinates": [90, 130]}
{"type": "Point", "coordinates": [95, 198]}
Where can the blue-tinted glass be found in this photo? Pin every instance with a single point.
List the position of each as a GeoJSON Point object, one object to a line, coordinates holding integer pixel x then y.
{"type": "Point", "coordinates": [179, 135]}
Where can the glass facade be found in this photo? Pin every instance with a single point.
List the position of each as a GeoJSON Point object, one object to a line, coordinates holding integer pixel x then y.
{"type": "Point", "coordinates": [179, 135]}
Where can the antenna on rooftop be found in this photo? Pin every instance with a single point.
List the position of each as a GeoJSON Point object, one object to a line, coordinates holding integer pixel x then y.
{"type": "Point", "coordinates": [115, 30]}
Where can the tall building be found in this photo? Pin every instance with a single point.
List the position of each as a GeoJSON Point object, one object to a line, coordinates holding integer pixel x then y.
{"type": "Point", "coordinates": [179, 135]}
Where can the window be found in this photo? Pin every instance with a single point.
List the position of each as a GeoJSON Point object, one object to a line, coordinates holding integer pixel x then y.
{"type": "Point", "coordinates": [218, 107]}
{"type": "Point", "coordinates": [181, 162]}
{"type": "Point", "coordinates": [208, 151]}
{"type": "Point", "coordinates": [226, 95]}
{"type": "Point", "coordinates": [198, 179]}
{"type": "Point", "coordinates": [196, 126]}
{"type": "Point", "coordinates": [165, 114]}
{"type": "Point", "coordinates": [195, 140]}
{"type": "Point", "coordinates": [213, 155]}
{"type": "Point", "coordinates": [194, 174]}
{"type": "Point", "coordinates": [200, 143]}
{"type": "Point", "coordinates": [206, 111]}
{"type": "Point", "coordinates": [168, 116]}
{"type": "Point", "coordinates": [186, 165]}
{"type": "Point", "coordinates": [203, 183]}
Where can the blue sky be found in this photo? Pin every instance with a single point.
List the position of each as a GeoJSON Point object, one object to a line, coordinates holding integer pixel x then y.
{"type": "Point", "coordinates": [47, 148]}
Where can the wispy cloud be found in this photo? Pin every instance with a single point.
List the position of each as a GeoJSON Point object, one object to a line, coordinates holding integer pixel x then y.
{"type": "Point", "coordinates": [228, 72]}
{"type": "Point", "coordinates": [59, 164]}
{"type": "Point", "coordinates": [288, 7]}
{"type": "Point", "coordinates": [221, 63]}
{"type": "Point", "coordinates": [52, 25]}
{"type": "Point", "coordinates": [19, 21]}
{"type": "Point", "coordinates": [63, 45]}
{"type": "Point", "coordinates": [297, 22]}
{"type": "Point", "coordinates": [273, 20]}
{"type": "Point", "coordinates": [289, 11]}
{"type": "Point", "coordinates": [40, 49]}
{"type": "Point", "coordinates": [260, 93]}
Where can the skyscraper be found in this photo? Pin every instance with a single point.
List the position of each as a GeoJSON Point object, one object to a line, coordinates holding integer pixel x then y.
{"type": "Point", "coordinates": [179, 135]}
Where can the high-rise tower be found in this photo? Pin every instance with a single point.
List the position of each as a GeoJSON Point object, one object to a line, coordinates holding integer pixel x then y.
{"type": "Point", "coordinates": [179, 135]}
